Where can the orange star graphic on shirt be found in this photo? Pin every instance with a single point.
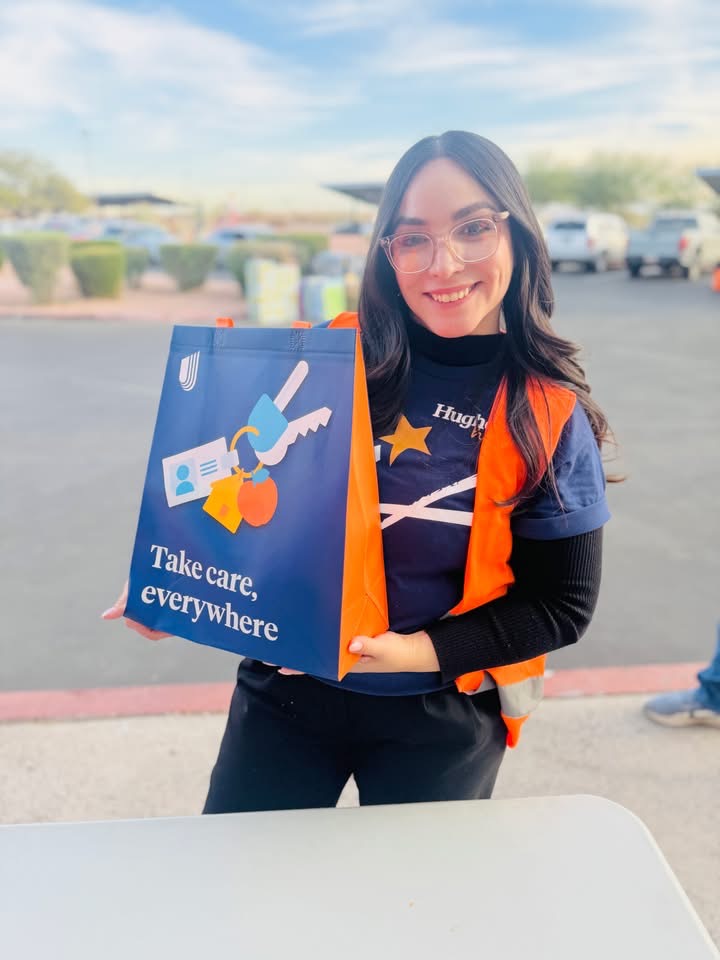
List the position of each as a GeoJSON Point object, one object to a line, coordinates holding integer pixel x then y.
{"type": "Point", "coordinates": [407, 437]}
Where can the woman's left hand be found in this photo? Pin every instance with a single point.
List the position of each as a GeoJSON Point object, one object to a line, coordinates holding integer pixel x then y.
{"type": "Point", "coordinates": [395, 653]}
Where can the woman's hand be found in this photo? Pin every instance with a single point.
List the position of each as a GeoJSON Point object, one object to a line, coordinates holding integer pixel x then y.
{"type": "Point", "coordinates": [118, 609]}
{"type": "Point", "coordinates": [285, 671]}
{"type": "Point", "coordinates": [395, 653]}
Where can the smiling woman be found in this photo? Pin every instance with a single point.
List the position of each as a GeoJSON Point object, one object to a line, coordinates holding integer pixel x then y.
{"type": "Point", "coordinates": [492, 501]}
{"type": "Point", "coordinates": [453, 282]}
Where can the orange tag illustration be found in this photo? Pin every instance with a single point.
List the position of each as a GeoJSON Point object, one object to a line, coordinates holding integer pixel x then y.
{"type": "Point", "coordinates": [222, 504]}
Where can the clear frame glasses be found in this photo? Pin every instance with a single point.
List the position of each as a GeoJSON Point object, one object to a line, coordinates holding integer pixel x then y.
{"type": "Point", "coordinates": [469, 242]}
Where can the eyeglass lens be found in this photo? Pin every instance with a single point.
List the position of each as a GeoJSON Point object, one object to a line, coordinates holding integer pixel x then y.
{"type": "Point", "coordinates": [470, 242]}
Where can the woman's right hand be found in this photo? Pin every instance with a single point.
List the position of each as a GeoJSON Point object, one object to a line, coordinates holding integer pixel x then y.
{"type": "Point", "coordinates": [117, 610]}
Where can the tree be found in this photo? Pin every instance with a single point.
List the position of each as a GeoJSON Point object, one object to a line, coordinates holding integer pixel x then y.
{"type": "Point", "coordinates": [550, 182]}
{"type": "Point", "coordinates": [29, 186]}
{"type": "Point", "coordinates": [612, 181]}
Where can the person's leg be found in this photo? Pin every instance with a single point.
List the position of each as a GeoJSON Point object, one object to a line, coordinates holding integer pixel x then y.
{"type": "Point", "coordinates": [699, 706]}
{"type": "Point", "coordinates": [438, 746]}
{"type": "Point", "coordinates": [282, 747]}
{"type": "Point", "coordinates": [709, 679]}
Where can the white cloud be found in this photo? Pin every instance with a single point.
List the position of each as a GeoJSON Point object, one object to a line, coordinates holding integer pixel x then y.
{"type": "Point", "coordinates": [657, 69]}
{"type": "Point", "coordinates": [84, 60]}
{"type": "Point", "coordinates": [682, 143]}
{"type": "Point", "coordinates": [325, 17]}
{"type": "Point", "coordinates": [649, 7]}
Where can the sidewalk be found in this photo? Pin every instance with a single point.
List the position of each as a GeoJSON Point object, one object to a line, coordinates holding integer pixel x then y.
{"type": "Point", "coordinates": [158, 766]}
{"type": "Point", "coordinates": [156, 301]}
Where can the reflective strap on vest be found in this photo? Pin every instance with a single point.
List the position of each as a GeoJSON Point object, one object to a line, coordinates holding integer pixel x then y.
{"type": "Point", "coordinates": [520, 690]}
{"type": "Point", "coordinates": [519, 699]}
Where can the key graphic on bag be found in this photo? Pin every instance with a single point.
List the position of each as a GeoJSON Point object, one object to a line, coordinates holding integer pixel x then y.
{"type": "Point", "coordinates": [267, 415]}
{"type": "Point", "coordinates": [189, 475]}
{"type": "Point", "coordinates": [295, 429]}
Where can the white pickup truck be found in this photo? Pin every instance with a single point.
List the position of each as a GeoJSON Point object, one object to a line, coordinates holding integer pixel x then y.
{"type": "Point", "coordinates": [677, 241]}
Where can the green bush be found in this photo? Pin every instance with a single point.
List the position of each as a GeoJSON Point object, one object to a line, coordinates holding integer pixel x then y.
{"type": "Point", "coordinates": [306, 246]}
{"type": "Point", "coordinates": [99, 242]}
{"type": "Point", "coordinates": [309, 244]}
{"type": "Point", "coordinates": [37, 258]}
{"type": "Point", "coordinates": [244, 250]}
{"type": "Point", "coordinates": [99, 268]}
{"type": "Point", "coordinates": [137, 260]}
{"type": "Point", "coordinates": [188, 263]}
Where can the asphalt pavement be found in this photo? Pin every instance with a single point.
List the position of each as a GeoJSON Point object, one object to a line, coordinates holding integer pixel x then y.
{"type": "Point", "coordinates": [77, 406]}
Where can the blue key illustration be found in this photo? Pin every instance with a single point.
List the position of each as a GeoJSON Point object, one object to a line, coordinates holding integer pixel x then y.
{"type": "Point", "coordinates": [267, 415]}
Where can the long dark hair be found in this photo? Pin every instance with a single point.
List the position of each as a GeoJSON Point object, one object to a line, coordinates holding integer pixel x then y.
{"type": "Point", "coordinates": [534, 351]}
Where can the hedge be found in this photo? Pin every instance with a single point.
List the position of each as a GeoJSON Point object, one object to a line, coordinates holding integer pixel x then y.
{"type": "Point", "coordinates": [137, 260]}
{"type": "Point", "coordinates": [306, 246]}
{"type": "Point", "coordinates": [244, 250]}
{"type": "Point", "coordinates": [188, 263]}
{"type": "Point", "coordinates": [36, 259]}
{"type": "Point", "coordinates": [99, 268]}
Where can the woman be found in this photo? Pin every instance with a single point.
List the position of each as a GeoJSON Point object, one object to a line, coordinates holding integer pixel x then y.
{"type": "Point", "coordinates": [483, 578]}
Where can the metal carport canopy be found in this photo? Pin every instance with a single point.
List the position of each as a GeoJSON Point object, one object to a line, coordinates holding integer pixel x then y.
{"type": "Point", "coordinates": [711, 176]}
{"type": "Point", "coordinates": [128, 199]}
{"type": "Point", "coordinates": [369, 192]}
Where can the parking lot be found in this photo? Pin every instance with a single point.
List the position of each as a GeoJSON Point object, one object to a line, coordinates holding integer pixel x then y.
{"type": "Point", "coordinates": [78, 401]}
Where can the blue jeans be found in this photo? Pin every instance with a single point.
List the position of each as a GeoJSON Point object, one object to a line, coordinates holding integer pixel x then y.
{"type": "Point", "coordinates": [710, 679]}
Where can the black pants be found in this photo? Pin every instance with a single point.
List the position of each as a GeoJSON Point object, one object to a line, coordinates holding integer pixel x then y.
{"type": "Point", "coordinates": [293, 742]}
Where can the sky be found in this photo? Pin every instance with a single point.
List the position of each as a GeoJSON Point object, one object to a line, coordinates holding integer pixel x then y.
{"type": "Point", "coordinates": [258, 104]}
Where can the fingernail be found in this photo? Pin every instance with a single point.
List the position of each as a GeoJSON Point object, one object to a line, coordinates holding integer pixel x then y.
{"type": "Point", "coordinates": [355, 647]}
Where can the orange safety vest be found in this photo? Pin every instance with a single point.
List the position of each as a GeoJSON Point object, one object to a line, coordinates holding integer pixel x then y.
{"type": "Point", "coordinates": [488, 575]}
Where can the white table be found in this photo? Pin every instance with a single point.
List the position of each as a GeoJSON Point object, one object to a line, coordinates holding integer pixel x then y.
{"type": "Point", "coordinates": [559, 877]}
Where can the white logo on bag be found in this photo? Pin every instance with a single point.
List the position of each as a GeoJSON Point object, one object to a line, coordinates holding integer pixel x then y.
{"type": "Point", "coordinates": [189, 371]}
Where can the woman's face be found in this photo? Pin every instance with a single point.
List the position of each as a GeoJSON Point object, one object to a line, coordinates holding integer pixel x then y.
{"type": "Point", "coordinates": [440, 196]}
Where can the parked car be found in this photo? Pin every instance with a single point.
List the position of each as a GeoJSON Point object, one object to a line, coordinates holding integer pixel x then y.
{"type": "Point", "coordinates": [225, 237]}
{"type": "Point", "coordinates": [684, 241]}
{"type": "Point", "coordinates": [144, 235]}
{"type": "Point", "coordinates": [593, 240]}
{"type": "Point", "coordinates": [76, 227]}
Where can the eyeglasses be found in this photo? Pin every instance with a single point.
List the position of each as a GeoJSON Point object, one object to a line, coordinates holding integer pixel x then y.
{"type": "Point", "coordinates": [468, 242]}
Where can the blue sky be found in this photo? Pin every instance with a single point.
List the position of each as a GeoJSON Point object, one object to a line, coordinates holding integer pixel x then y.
{"type": "Point", "coordinates": [264, 101]}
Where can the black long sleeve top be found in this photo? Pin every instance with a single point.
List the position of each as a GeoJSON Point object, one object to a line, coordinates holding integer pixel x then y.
{"type": "Point", "coordinates": [549, 606]}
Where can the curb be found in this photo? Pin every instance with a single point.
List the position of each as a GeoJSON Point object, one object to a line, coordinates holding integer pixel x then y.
{"type": "Point", "coordinates": [197, 698]}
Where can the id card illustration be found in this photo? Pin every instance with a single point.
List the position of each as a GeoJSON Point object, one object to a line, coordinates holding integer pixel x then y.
{"type": "Point", "coordinates": [190, 475]}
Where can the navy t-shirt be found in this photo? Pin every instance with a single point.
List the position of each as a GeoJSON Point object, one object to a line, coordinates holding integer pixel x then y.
{"type": "Point", "coordinates": [434, 446]}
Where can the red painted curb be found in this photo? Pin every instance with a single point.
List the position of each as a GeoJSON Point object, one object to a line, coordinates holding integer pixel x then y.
{"type": "Point", "coordinates": [610, 681]}
{"type": "Point", "coordinates": [194, 698]}
{"type": "Point", "coordinates": [115, 702]}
